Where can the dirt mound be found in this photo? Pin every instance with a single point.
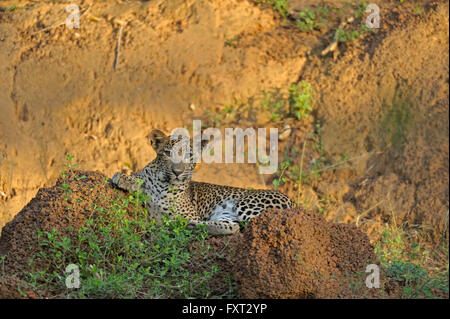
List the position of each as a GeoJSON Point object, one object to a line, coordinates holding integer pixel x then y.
{"type": "Point", "coordinates": [289, 254]}
{"type": "Point", "coordinates": [12, 287]}
{"type": "Point", "coordinates": [60, 209]}
{"type": "Point", "coordinates": [50, 210]}
{"type": "Point", "coordinates": [297, 254]}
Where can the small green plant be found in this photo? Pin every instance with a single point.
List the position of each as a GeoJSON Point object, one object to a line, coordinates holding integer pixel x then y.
{"type": "Point", "coordinates": [281, 6]}
{"type": "Point", "coordinates": [342, 35]}
{"type": "Point", "coordinates": [307, 20]}
{"type": "Point", "coordinates": [416, 281]}
{"type": "Point", "coordinates": [405, 271]}
{"type": "Point", "coordinates": [318, 146]}
{"type": "Point", "coordinates": [231, 42]}
{"type": "Point", "coordinates": [228, 114]}
{"type": "Point", "coordinates": [301, 99]}
{"type": "Point", "coordinates": [361, 9]}
{"type": "Point", "coordinates": [310, 20]}
{"type": "Point", "coordinates": [65, 185]}
{"type": "Point", "coordinates": [69, 163]}
{"type": "Point", "coordinates": [12, 8]}
{"type": "Point", "coordinates": [418, 10]}
{"type": "Point", "coordinates": [295, 168]}
{"type": "Point", "coordinates": [317, 166]}
{"type": "Point", "coordinates": [274, 105]}
{"type": "Point", "coordinates": [281, 179]}
{"type": "Point", "coordinates": [243, 223]}
{"type": "Point", "coordinates": [2, 263]}
{"type": "Point", "coordinates": [405, 261]}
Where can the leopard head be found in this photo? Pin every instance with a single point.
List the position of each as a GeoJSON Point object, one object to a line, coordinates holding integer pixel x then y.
{"type": "Point", "coordinates": [174, 157]}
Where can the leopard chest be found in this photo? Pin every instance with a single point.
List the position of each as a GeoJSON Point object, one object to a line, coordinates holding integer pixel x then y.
{"type": "Point", "coordinates": [169, 200]}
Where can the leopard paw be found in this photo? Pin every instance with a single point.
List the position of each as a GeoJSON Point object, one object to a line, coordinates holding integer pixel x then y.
{"type": "Point", "coordinates": [115, 178]}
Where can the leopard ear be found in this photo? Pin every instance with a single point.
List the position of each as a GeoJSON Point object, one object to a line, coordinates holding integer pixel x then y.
{"type": "Point", "coordinates": [157, 140]}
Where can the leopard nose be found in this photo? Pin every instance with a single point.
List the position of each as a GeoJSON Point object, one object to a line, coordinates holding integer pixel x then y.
{"type": "Point", "coordinates": [177, 170]}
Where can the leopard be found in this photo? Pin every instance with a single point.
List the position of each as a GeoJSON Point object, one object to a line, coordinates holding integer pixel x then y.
{"type": "Point", "coordinates": [171, 191]}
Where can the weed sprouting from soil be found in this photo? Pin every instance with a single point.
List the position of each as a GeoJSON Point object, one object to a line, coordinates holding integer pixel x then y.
{"type": "Point", "coordinates": [299, 102]}
{"type": "Point", "coordinates": [12, 8]}
{"type": "Point", "coordinates": [65, 185]}
{"type": "Point", "coordinates": [294, 102]}
{"type": "Point", "coordinates": [2, 264]}
{"type": "Point", "coordinates": [230, 113]}
{"type": "Point", "coordinates": [123, 256]}
{"type": "Point", "coordinates": [301, 99]}
{"type": "Point", "coordinates": [319, 18]}
{"type": "Point", "coordinates": [275, 106]}
{"type": "Point", "coordinates": [343, 35]}
{"type": "Point", "coordinates": [281, 6]}
{"type": "Point", "coordinates": [410, 263]}
{"type": "Point", "coordinates": [312, 19]}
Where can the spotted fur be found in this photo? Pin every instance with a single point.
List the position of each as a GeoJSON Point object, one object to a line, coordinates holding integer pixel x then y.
{"type": "Point", "coordinates": [172, 191]}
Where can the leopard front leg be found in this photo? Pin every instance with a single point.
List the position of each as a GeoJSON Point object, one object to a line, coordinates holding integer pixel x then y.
{"type": "Point", "coordinates": [222, 227]}
{"type": "Point", "coordinates": [129, 183]}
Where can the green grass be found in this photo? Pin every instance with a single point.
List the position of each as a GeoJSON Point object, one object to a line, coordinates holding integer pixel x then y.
{"type": "Point", "coordinates": [123, 257]}
{"type": "Point", "coordinates": [121, 252]}
{"type": "Point", "coordinates": [312, 19]}
{"type": "Point", "coordinates": [12, 8]}
{"type": "Point", "coordinates": [2, 264]}
{"type": "Point", "coordinates": [360, 10]}
{"type": "Point", "coordinates": [323, 18]}
{"type": "Point", "coordinates": [345, 36]}
{"type": "Point", "coordinates": [411, 264]}
{"type": "Point", "coordinates": [230, 113]}
{"type": "Point", "coordinates": [281, 6]}
{"type": "Point", "coordinates": [274, 104]}
{"type": "Point", "coordinates": [231, 42]}
{"type": "Point", "coordinates": [357, 29]}
{"type": "Point", "coordinates": [301, 173]}
{"type": "Point", "coordinates": [281, 178]}
{"type": "Point", "coordinates": [301, 99]}
{"type": "Point", "coordinates": [418, 10]}
{"type": "Point", "coordinates": [290, 172]}
{"type": "Point", "coordinates": [299, 102]}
